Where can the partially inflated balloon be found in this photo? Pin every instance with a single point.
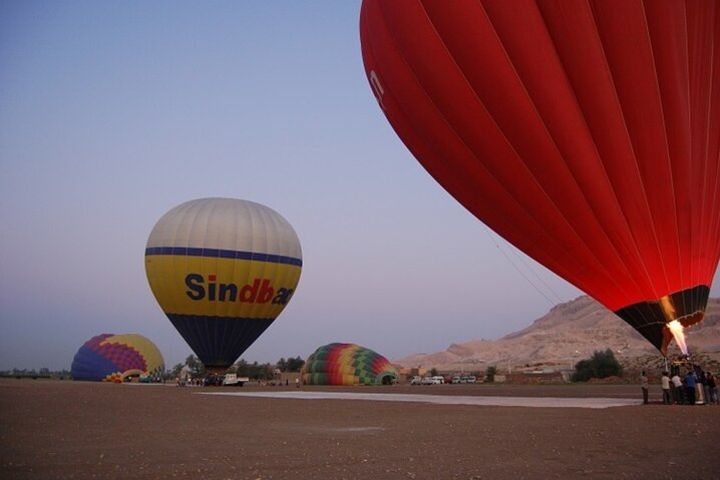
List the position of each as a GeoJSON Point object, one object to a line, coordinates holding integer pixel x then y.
{"type": "Point", "coordinates": [586, 133]}
{"type": "Point", "coordinates": [222, 270]}
{"type": "Point", "coordinates": [111, 358]}
{"type": "Point", "coordinates": [347, 364]}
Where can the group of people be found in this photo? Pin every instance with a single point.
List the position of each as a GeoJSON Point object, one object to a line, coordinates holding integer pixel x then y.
{"type": "Point", "coordinates": [696, 387]}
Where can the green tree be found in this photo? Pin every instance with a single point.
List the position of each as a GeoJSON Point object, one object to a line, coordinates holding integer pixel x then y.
{"type": "Point", "coordinates": [490, 373]}
{"type": "Point", "coordinates": [600, 365]}
{"type": "Point", "coordinates": [175, 371]}
{"type": "Point", "coordinates": [254, 370]}
{"type": "Point", "coordinates": [433, 372]}
{"type": "Point", "coordinates": [295, 364]}
{"type": "Point", "coordinates": [195, 365]}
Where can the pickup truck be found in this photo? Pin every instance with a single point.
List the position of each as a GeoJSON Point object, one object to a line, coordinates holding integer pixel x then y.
{"type": "Point", "coordinates": [232, 380]}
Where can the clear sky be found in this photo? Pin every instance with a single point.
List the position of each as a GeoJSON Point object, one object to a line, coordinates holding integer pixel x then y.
{"type": "Point", "coordinates": [111, 113]}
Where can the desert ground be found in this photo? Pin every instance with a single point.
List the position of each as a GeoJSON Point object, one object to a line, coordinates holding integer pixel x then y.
{"type": "Point", "coordinates": [62, 429]}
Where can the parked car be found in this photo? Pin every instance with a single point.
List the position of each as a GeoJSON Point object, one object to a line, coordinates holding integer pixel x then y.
{"type": "Point", "coordinates": [415, 380]}
{"type": "Point", "coordinates": [438, 380]}
{"type": "Point", "coordinates": [471, 379]}
{"type": "Point", "coordinates": [456, 379]}
{"type": "Point", "coordinates": [213, 380]}
{"type": "Point", "coordinates": [427, 381]}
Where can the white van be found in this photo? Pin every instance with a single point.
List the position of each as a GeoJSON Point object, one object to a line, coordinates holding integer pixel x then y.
{"type": "Point", "coordinates": [438, 380]}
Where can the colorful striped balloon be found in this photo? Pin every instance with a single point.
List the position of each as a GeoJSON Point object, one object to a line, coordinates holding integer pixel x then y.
{"type": "Point", "coordinates": [347, 364]}
{"type": "Point", "coordinates": [111, 358]}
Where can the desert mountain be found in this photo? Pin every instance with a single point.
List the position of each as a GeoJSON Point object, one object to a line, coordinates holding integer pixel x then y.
{"type": "Point", "coordinates": [568, 333]}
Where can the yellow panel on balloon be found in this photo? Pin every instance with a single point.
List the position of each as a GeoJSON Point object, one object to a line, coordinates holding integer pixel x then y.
{"type": "Point", "coordinates": [221, 287]}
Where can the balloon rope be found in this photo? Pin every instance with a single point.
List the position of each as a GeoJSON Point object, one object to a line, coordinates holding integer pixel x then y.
{"type": "Point", "coordinates": [497, 245]}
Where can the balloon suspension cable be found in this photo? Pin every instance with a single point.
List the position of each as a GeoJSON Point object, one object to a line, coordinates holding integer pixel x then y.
{"type": "Point", "coordinates": [507, 257]}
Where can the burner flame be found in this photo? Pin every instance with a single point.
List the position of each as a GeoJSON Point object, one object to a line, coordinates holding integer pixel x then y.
{"type": "Point", "coordinates": [676, 329]}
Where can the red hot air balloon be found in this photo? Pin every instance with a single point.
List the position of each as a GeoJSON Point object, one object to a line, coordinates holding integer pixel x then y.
{"type": "Point", "coordinates": [586, 133]}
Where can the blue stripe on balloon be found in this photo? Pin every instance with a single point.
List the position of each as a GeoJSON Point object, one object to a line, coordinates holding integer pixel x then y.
{"type": "Point", "coordinates": [219, 341]}
{"type": "Point", "coordinates": [219, 253]}
{"type": "Point", "coordinates": [90, 365]}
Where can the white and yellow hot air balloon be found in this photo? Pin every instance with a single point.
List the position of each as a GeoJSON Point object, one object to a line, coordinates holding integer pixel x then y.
{"type": "Point", "coordinates": [222, 270]}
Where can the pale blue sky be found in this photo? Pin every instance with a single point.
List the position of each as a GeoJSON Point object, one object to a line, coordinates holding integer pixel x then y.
{"type": "Point", "coordinates": [111, 113]}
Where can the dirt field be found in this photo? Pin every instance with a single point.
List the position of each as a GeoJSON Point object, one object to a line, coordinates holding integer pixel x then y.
{"type": "Point", "coordinates": [62, 429]}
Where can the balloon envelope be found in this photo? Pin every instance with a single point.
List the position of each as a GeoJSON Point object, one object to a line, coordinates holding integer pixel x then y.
{"type": "Point", "coordinates": [347, 364]}
{"type": "Point", "coordinates": [110, 358]}
{"type": "Point", "coordinates": [584, 133]}
{"type": "Point", "coordinates": [222, 270]}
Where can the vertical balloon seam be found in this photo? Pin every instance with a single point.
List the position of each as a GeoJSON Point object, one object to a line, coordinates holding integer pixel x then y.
{"type": "Point", "coordinates": [688, 252]}
{"type": "Point", "coordinates": [692, 153]}
{"type": "Point", "coordinates": [630, 145]}
{"type": "Point", "coordinates": [693, 52]}
{"type": "Point", "coordinates": [512, 62]}
{"type": "Point", "coordinates": [548, 197]}
{"type": "Point", "coordinates": [263, 239]}
{"type": "Point", "coordinates": [254, 248]}
{"type": "Point", "coordinates": [661, 105]}
{"type": "Point", "coordinates": [175, 260]}
{"type": "Point", "coordinates": [569, 224]}
{"type": "Point", "coordinates": [224, 310]}
{"type": "Point", "coordinates": [652, 45]}
{"type": "Point", "coordinates": [669, 156]}
{"type": "Point", "coordinates": [617, 115]}
{"type": "Point", "coordinates": [635, 154]}
{"type": "Point", "coordinates": [710, 157]}
{"type": "Point", "coordinates": [571, 90]}
{"type": "Point", "coordinates": [491, 175]}
{"type": "Point", "coordinates": [216, 218]}
{"type": "Point", "coordinates": [236, 244]}
{"type": "Point", "coordinates": [669, 117]}
{"type": "Point", "coordinates": [201, 217]}
{"type": "Point", "coordinates": [196, 327]}
{"type": "Point", "coordinates": [618, 108]}
{"type": "Point", "coordinates": [715, 232]}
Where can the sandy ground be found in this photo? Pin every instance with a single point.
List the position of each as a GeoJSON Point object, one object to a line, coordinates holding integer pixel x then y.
{"type": "Point", "coordinates": [54, 429]}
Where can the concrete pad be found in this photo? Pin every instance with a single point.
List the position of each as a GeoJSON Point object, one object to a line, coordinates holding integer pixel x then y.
{"type": "Point", "coordinates": [540, 402]}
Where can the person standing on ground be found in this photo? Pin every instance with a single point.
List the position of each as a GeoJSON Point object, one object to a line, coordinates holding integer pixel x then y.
{"type": "Point", "coordinates": [665, 381]}
{"type": "Point", "coordinates": [644, 386]}
{"type": "Point", "coordinates": [706, 388]}
{"type": "Point", "coordinates": [712, 385]}
{"type": "Point", "coordinates": [699, 385]}
{"type": "Point", "coordinates": [690, 387]}
{"type": "Point", "coordinates": [677, 389]}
